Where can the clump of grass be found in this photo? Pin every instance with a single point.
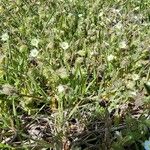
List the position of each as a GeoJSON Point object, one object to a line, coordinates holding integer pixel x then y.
{"type": "Point", "coordinates": [74, 63]}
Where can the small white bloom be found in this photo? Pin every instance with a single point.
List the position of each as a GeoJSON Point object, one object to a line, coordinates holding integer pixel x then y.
{"type": "Point", "coordinates": [148, 83]}
{"type": "Point", "coordinates": [5, 37]}
{"type": "Point", "coordinates": [81, 52]}
{"type": "Point", "coordinates": [64, 45]}
{"type": "Point", "coordinates": [48, 98]}
{"type": "Point", "coordinates": [101, 14]}
{"type": "Point", "coordinates": [52, 20]}
{"type": "Point", "coordinates": [136, 8]}
{"type": "Point", "coordinates": [70, 15]}
{"type": "Point", "coordinates": [61, 88]}
{"type": "Point", "coordinates": [50, 45]}
{"type": "Point", "coordinates": [80, 15]}
{"type": "Point", "coordinates": [135, 77]}
{"type": "Point", "coordinates": [110, 57]}
{"type": "Point", "coordinates": [146, 144]}
{"type": "Point", "coordinates": [35, 42]}
{"type": "Point", "coordinates": [118, 134]}
{"type": "Point", "coordinates": [94, 53]}
{"type": "Point", "coordinates": [123, 45]}
{"type": "Point", "coordinates": [62, 73]}
{"type": "Point", "coordinates": [34, 52]}
{"type": "Point", "coordinates": [119, 26]}
{"type": "Point", "coordinates": [115, 11]}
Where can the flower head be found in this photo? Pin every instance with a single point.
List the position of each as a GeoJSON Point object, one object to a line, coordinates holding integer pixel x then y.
{"type": "Point", "coordinates": [62, 73]}
{"type": "Point", "coordinates": [4, 37]}
{"type": "Point", "coordinates": [34, 52]}
{"type": "Point", "coordinates": [94, 54]}
{"type": "Point", "coordinates": [110, 57]}
{"type": "Point", "coordinates": [123, 45]}
{"type": "Point", "coordinates": [61, 89]}
{"type": "Point", "coordinates": [135, 77]}
{"type": "Point", "coordinates": [119, 26]}
{"type": "Point", "coordinates": [80, 15]}
{"type": "Point", "coordinates": [64, 45]}
{"type": "Point", "coordinates": [35, 42]}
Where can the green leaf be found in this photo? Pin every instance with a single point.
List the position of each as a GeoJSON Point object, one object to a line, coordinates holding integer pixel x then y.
{"type": "Point", "coordinates": [147, 87]}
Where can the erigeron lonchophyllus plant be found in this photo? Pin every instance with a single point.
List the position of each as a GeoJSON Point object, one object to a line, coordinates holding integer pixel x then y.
{"type": "Point", "coordinates": [77, 54]}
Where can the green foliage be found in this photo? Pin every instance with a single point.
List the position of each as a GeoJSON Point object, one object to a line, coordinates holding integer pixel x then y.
{"type": "Point", "coordinates": [69, 56]}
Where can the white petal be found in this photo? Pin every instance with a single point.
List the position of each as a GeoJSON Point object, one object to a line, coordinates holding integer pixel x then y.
{"type": "Point", "coordinates": [123, 45]}
{"type": "Point", "coordinates": [34, 52]}
{"type": "Point", "coordinates": [110, 57]}
{"type": "Point", "coordinates": [4, 37]}
{"type": "Point", "coordinates": [60, 88]}
{"type": "Point", "coordinates": [64, 45]}
{"type": "Point", "coordinates": [35, 42]}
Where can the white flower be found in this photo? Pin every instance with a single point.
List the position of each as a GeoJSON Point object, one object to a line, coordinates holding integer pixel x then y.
{"type": "Point", "coordinates": [119, 26]}
{"type": "Point", "coordinates": [80, 15]}
{"type": "Point", "coordinates": [135, 77]}
{"type": "Point", "coordinates": [62, 73]}
{"type": "Point", "coordinates": [35, 42]}
{"type": "Point", "coordinates": [115, 11]}
{"type": "Point", "coordinates": [1, 9]}
{"type": "Point", "coordinates": [110, 57]}
{"type": "Point", "coordinates": [64, 45]}
{"type": "Point", "coordinates": [34, 52]}
{"type": "Point", "coordinates": [146, 144]}
{"type": "Point", "coordinates": [5, 37]}
{"type": "Point", "coordinates": [94, 53]}
{"type": "Point", "coordinates": [81, 52]}
{"type": "Point", "coordinates": [123, 45]}
{"type": "Point", "coordinates": [61, 88]}
{"type": "Point", "coordinates": [148, 83]}
{"type": "Point", "coordinates": [101, 14]}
